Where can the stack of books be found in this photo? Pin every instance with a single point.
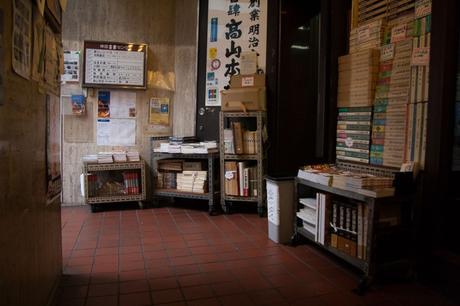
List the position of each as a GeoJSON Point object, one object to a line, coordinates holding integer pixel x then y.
{"type": "Point", "coordinates": [91, 159]}
{"type": "Point", "coordinates": [131, 182]}
{"type": "Point", "coordinates": [393, 87]}
{"type": "Point", "coordinates": [238, 140]}
{"type": "Point", "coordinates": [417, 108]}
{"type": "Point", "coordinates": [133, 156]}
{"type": "Point", "coordinates": [192, 181]}
{"type": "Point", "coordinates": [175, 165]}
{"type": "Point", "coordinates": [188, 147]}
{"type": "Point", "coordinates": [120, 157]}
{"type": "Point", "coordinates": [321, 174]}
{"type": "Point", "coordinates": [241, 179]}
{"type": "Point", "coordinates": [357, 78]}
{"type": "Point", "coordinates": [388, 137]}
{"type": "Point", "coordinates": [354, 134]}
{"type": "Point", "coordinates": [367, 36]}
{"type": "Point", "coordinates": [104, 157]}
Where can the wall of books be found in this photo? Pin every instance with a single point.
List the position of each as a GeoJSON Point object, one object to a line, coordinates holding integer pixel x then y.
{"type": "Point", "coordinates": [383, 87]}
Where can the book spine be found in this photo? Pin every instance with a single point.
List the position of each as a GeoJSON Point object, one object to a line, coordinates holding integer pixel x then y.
{"type": "Point", "coordinates": [246, 182]}
{"type": "Point", "coordinates": [360, 231]}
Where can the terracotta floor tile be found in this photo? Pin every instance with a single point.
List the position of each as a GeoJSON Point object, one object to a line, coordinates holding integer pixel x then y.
{"type": "Point", "coordinates": [102, 300]}
{"type": "Point", "coordinates": [205, 302]}
{"type": "Point", "coordinates": [163, 283]}
{"type": "Point", "coordinates": [132, 275]}
{"type": "Point", "coordinates": [103, 289]}
{"type": "Point", "coordinates": [192, 280]}
{"type": "Point", "coordinates": [101, 278]}
{"type": "Point", "coordinates": [182, 256]}
{"type": "Point", "coordinates": [197, 292]}
{"type": "Point", "coordinates": [134, 286]}
{"type": "Point", "coordinates": [238, 299]}
{"type": "Point", "coordinates": [73, 292]}
{"type": "Point", "coordinates": [187, 270]}
{"type": "Point", "coordinates": [227, 288]}
{"type": "Point", "coordinates": [167, 296]}
{"type": "Point", "coordinates": [136, 299]}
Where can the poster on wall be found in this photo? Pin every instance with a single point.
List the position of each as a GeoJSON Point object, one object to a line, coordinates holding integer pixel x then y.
{"type": "Point", "coordinates": [53, 147]}
{"type": "Point", "coordinates": [103, 104]}
{"type": "Point", "coordinates": [159, 111]}
{"type": "Point", "coordinates": [78, 104]}
{"type": "Point", "coordinates": [71, 67]}
{"type": "Point", "coordinates": [21, 46]}
{"type": "Point", "coordinates": [116, 132]}
{"type": "Point", "coordinates": [234, 27]}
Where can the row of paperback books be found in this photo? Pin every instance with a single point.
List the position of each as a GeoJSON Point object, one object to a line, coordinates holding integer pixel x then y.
{"type": "Point", "coordinates": [241, 179]}
{"type": "Point", "coordinates": [398, 126]}
{"type": "Point", "coordinates": [238, 140]}
{"type": "Point", "coordinates": [131, 182]}
{"type": "Point", "coordinates": [349, 227]}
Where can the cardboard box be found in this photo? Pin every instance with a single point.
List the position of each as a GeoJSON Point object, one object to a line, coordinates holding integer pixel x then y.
{"type": "Point", "coordinates": [244, 99]}
{"type": "Point", "coordinates": [248, 80]}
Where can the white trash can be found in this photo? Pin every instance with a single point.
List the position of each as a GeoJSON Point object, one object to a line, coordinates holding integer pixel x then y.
{"type": "Point", "coordinates": [280, 208]}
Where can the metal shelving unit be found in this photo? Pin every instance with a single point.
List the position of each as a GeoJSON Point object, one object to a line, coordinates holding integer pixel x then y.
{"type": "Point", "coordinates": [213, 191]}
{"type": "Point", "coordinates": [89, 168]}
{"type": "Point", "coordinates": [374, 205]}
{"type": "Point", "coordinates": [259, 158]}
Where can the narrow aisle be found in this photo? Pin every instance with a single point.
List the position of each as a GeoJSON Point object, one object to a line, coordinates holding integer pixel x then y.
{"type": "Point", "coordinates": [175, 256]}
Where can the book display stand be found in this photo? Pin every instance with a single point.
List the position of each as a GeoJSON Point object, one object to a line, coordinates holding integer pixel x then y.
{"type": "Point", "coordinates": [242, 159]}
{"type": "Point", "coordinates": [114, 182]}
{"type": "Point", "coordinates": [362, 229]}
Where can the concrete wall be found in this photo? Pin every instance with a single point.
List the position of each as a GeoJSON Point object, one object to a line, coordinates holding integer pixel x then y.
{"type": "Point", "coordinates": [169, 28]}
{"type": "Point", "coordinates": [30, 230]}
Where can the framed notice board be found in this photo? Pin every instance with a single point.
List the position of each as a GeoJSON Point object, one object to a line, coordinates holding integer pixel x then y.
{"type": "Point", "coordinates": [114, 65]}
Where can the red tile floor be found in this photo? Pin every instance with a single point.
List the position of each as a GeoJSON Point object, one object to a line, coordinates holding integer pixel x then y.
{"type": "Point", "coordinates": [176, 256]}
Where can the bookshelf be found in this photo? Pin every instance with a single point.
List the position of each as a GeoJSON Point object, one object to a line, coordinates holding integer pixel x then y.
{"type": "Point", "coordinates": [114, 182]}
{"type": "Point", "coordinates": [209, 162]}
{"type": "Point", "coordinates": [377, 227]}
{"type": "Point", "coordinates": [255, 192]}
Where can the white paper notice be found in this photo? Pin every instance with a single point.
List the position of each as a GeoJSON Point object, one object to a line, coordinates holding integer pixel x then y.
{"type": "Point", "coordinates": [116, 132]}
{"type": "Point", "coordinates": [103, 132]}
{"type": "Point", "coordinates": [71, 67]}
{"type": "Point", "coordinates": [122, 104]}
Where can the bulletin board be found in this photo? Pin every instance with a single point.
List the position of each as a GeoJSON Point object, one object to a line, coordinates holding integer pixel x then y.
{"type": "Point", "coordinates": [114, 65]}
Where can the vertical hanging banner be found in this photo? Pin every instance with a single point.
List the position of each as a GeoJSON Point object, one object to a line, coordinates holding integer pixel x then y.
{"type": "Point", "coordinates": [234, 27]}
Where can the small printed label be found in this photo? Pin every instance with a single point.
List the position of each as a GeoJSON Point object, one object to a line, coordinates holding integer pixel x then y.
{"type": "Point", "coordinates": [229, 175]}
{"type": "Point", "coordinates": [422, 8]}
{"type": "Point", "coordinates": [387, 52]}
{"type": "Point", "coordinates": [398, 33]}
{"type": "Point", "coordinates": [247, 82]}
{"type": "Point", "coordinates": [420, 56]}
